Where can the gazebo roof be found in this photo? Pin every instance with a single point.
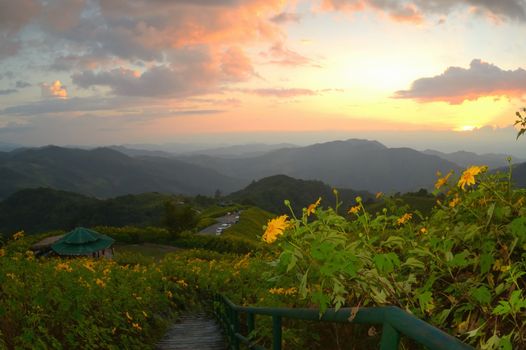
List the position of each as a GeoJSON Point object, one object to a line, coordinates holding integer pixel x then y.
{"type": "Point", "coordinates": [82, 241]}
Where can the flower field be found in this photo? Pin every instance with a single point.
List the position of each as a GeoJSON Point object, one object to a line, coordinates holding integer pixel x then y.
{"type": "Point", "coordinates": [462, 268]}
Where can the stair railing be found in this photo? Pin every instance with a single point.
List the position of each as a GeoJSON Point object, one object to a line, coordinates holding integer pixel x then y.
{"type": "Point", "coordinates": [394, 321]}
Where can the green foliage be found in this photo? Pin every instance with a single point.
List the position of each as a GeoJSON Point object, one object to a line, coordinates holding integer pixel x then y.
{"type": "Point", "coordinates": [268, 193]}
{"type": "Point", "coordinates": [135, 235]}
{"type": "Point", "coordinates": [43, 209]}
{"type": "Point", "coordinates": [217, 211]}
{"type": "Point", "coordinates": [462, 268]}
{"type": "Point", "coordinates": [221, 244]}
{"type": "Point", "coordinates": [178, 217]}
{"type": "Point", "coordinates": [250, 223]}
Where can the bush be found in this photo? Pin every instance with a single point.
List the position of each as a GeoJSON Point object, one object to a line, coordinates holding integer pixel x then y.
{"type": "Point", "coordinates": [462, 269]}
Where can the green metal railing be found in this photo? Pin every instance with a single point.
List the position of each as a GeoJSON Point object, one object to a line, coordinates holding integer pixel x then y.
{"type": "Point", "coordinates": [395, 322]}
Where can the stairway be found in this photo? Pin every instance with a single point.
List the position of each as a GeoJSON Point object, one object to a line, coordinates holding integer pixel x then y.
{"type": "Point", "coordinates": [196, 331]}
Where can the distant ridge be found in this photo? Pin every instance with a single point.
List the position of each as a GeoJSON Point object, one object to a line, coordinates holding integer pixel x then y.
{"type": "Point", "coordinates": [465, 159]}
{"type": "Point", "coordinates": [358, 164]}
{"type": "Point", "coordinates": [103, 172]}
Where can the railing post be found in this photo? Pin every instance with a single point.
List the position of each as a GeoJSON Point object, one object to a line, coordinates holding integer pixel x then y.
{"type": "Point", "coordinates": [276, 332]}
{"type": "Point", "coordinates": [390, 337]}
{"type": "Point", "coordinates": [251, 322]}
{"type": "Point", "coordinates": [235, 325]}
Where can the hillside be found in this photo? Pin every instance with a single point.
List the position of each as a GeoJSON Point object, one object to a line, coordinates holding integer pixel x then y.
{"type": "Point", "coordinates": [466, 159]}
{"type": "Point", "coordinates": [43, 209]}
{"type": "Point", "coordinates": [104, 173]}
{"type": "Point", "coordinates": [357, 164]}
{"type": "Point", "coordinates": [270, 192]}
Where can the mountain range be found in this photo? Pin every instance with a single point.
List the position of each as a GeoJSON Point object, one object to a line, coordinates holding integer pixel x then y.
{"type": "Point", "coordinates": [103, 173]}
{"type": "Point", "coordinates": [357, 164]}
{"type": "Point", "coordinates": [360, 165]}
{"type": "Point", "coordinates": [466, 159]}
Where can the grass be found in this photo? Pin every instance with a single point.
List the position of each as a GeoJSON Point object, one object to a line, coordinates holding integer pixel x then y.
{"type": "Point", "coordinates": [250, 225]}
{"type": "Point", "coordinates": [152, 250]}
{"type": "Point", "coordinates": [217, 211]}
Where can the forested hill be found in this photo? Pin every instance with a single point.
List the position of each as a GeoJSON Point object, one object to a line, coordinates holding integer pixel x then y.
{"type": "Point", "coordinates": [105, 173]}
{"type": "Point", "coordinates": [269, 194]}
{"type": "Point", "coordinates": [43, 209]}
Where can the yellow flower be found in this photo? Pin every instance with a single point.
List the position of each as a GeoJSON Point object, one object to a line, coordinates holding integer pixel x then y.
{"type": "Point", "coordinates": [100, 283]}
{"type": "Point", "coordinates": [468, 176]}
{"type": "Point", "coordinates": [454, 202]}
{"type": "Point", "coordinates": [423, 230]}
{"type": "Point", "coordinates": [355, 209]}
{"type": "Point", "coordinates": [443, 180]}
{"type": "Point", "coordinates": [2, 253]}
{"type": "Point", "coordinates": [313, 206]}
{"type": "Point", "coordinates": [169, 294]}
{"type": "Point", "coordinates": [283, 291]}
{"type": "Point", "coordinates": [64, 267]}
{"type": "Point", "coordinates": [136, 326]}
{"type": "Point", "coordinates": [405, 218]}
{"type": "Point", "coordinates": [89, 265]}
{"type": "Point", "coordinates": [275, 228]}
{"type": "Point", "coordinates": [182, 283]}
{"type": "Point", "coordinates": [18, 235]}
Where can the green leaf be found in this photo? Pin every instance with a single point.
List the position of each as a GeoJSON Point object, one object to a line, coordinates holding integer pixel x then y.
{"type": "Point", "coordinates": [502, 309]}
{"type": "Point", "coordinates": [486, 261]}
{"type": "Point", "coordinates": [482, 295]}
{"type": "Point", "coordinates": [518, 228]}
{"type": "Point", "coordinates": [394, 241]}
{"type": "Point", "coordinates": [412, 262]}
{"type": "Point", "coordinates": [303, 284]}
{"type": "Point", "coordinates": [459, 260]}
{"type": "Point", "coordinates": [425, 300]}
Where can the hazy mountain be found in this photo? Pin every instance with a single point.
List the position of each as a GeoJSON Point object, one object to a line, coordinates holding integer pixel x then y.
{"type": "Point", "coordinates": [269, 193]}
{"type": "Point", "coordinates": [242, 151]}
{"type": "Point", "coordinates": [357, 164]}
{"type": "Point", "coordinates": [6, 147]}
{"type": "Point", "coordinates": [104, 172]}
{"type": "Point", "coordinates": [518, 175]}
{"type": "Point", "coordinates": [135, 152]}
{"type": "Point", "coordinates": [465, 159]}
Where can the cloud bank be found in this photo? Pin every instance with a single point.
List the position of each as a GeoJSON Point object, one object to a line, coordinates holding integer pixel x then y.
{"type": "Point", "coordinates": [457, 84]}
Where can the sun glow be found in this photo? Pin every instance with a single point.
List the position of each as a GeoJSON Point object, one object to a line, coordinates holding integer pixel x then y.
{"type": "Point", "coordinates": [465, 128]}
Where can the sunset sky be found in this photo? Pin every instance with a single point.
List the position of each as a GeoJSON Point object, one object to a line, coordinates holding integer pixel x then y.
{"type": "Point", "coordinates": [156, 71]}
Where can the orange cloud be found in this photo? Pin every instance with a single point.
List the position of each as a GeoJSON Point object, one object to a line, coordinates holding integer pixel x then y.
{"type": "Point", "coordinates": [53, 90]}
{"type": "Point", "coordinates": [284, 93]}
{"type": "Point", "coordinates": [457, 84]}
{"type": "Point", "coordinates": [180, 23]}
{"type": "Point", "coordinates": [235, 65]}
{"type": "Point", "coordinates": [280, 54]}
{"type": "Point", "coordinates": [415, 11]}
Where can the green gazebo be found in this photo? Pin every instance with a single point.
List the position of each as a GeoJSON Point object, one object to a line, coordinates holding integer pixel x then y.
{"type": "Point", "coordinates": [83, 241]}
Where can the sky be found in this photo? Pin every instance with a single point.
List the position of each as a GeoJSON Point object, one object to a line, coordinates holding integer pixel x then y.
{"type": "Point", "coordinates": [445, 74]}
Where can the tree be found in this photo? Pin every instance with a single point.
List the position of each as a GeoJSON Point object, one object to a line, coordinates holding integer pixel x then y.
{"type": "Point", "coordinates": [178, 218]}
{"type": "Point", "coordinates": [217, 194]}
{"type": "Point", "coordinates": [521, 121]}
